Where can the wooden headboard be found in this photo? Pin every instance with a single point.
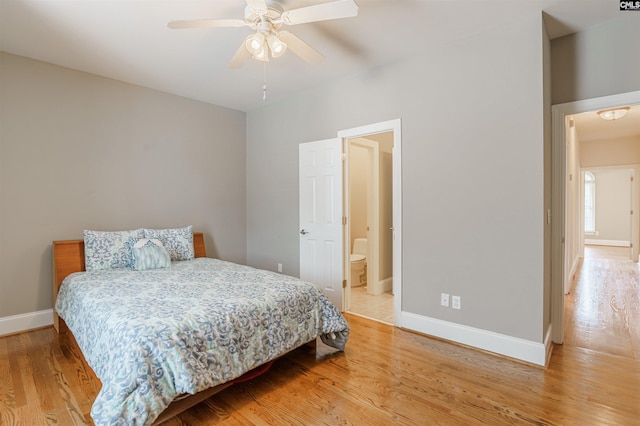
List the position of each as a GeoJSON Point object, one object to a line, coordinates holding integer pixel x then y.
{"type": "Point", "coordinates": [68, 257]}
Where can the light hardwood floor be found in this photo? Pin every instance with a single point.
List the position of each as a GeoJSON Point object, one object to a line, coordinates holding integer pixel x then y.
{"type": "Point", "coordinates": [602, 310]}
{"type": "Point", "coordinates": [386, 376]}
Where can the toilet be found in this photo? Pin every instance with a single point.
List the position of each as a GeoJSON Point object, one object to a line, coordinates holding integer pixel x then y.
{"type": "Point", "coordinates": [358, 262]}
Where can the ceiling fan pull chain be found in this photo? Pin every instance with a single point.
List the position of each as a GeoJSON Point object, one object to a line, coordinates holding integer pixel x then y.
{"type": "Point", "coordinates": [264, 81]}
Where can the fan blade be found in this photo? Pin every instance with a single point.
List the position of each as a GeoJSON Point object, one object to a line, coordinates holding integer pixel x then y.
{"type": "Point", "coordinates": [241, 56]}
{"type": "Point", "coordinates": [301, 48]}
{"type": "Point", "coordinates": [206, 23]}
{"type": "Point", "coordinates": [259, 6]}
{"type": "Point", "coordinates": [321, 12]}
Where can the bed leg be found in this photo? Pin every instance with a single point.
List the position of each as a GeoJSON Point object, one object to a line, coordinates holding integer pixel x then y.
{"type": "Point", "coordinates": [59, 325]}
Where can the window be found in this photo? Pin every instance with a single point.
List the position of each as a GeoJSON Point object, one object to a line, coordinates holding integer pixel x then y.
{"type": "Point", "coordinates": [589, 203]}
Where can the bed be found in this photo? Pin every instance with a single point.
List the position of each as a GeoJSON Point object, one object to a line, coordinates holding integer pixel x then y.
{"type": "Point", "coordinates": [163, 339]}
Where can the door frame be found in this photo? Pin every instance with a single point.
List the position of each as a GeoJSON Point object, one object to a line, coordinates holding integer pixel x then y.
{"type": "Point", "coordinates": [364, 131]}
{"type": "Point", "coordinates": [559, 114]}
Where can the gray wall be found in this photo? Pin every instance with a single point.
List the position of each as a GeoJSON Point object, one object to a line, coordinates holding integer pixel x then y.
{"type": "Point", "coordinates": [604, 60]}
{"type": "Point", "coordinates": [80, 151]}
{"type": "Point", "coordinates": [473, 173]}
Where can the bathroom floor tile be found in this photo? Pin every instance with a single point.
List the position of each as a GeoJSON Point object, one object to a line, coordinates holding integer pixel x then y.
{"type": "Point", "coordinates": [375, 307]}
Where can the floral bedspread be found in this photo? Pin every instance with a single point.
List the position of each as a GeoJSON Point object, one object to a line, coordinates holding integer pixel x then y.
{"type": "Point", "coordinates": [153, 335]}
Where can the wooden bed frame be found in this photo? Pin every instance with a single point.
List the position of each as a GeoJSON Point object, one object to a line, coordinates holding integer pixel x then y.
{"type": "Point", "coordinates": [68, 257]}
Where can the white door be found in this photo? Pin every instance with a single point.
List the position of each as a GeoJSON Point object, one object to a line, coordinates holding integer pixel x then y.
{"type": "Point", "coordinates": [321, 260]}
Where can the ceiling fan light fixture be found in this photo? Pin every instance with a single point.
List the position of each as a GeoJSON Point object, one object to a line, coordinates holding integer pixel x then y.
{"type": "Point", "coordinates": [266, 17]}
{"type": "Point", "coordinates": [255, 43]}
{"type": "Point", "coordinates": [277, 46]}
{"type": "Point", "coordinates": [613, 113]}
{"type": "Point", "coordinates": [262, 55]}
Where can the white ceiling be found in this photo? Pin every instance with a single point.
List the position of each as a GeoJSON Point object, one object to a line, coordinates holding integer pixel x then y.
{"type": "Point", "coordinates": [128, 39]}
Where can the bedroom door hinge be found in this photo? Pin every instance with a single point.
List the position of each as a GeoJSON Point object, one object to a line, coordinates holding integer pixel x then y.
{"type": "Point", "coordinates": [344, 220]}
{"type": "Point", "coordinates": [344, 283]}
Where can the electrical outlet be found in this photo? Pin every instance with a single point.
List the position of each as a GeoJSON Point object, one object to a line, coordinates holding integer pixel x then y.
{"type": "Point", "coordinates": [444, 299]}
{"type": "Point", "coordinates": [455, 302]}
{"type": "Point", "coordinates": [279, 267]}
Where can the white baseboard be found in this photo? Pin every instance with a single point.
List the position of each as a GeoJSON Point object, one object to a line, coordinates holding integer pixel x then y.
{"type": "Point", "coordinates": [24, 322]}
{"type": "Point", "coordinates": [387, 285]}
{"type": "Point", "coordinates": [381, 287]}
{"type": "Point", "coordinates": [614, 243]}
{"type": "Point", "coordinates": [512, 347]}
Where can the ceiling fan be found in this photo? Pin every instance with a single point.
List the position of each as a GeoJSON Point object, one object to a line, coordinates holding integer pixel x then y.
{"type": "Point", "coordinates": [266, 18]}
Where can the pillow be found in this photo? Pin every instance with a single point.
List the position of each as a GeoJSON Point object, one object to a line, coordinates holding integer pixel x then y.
{"type": "Point", "coordinates": [150, 254]}
{"type": "Point", "coordinates": [177, 241]}
{"type": "Point", "coordinates": [109, 250]}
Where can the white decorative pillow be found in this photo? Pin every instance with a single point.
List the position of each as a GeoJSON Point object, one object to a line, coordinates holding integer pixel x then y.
{"type": "Point", "coordinates": [109, 250]}
{"type": "Point", "coordinates": [149, 253]}
{"type": "Point", "coordinates": [177, 241]}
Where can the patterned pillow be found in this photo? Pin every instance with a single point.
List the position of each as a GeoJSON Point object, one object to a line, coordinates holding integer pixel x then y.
{"type": "Point", "coordinates": [150, 254]}
{"type": "Point", "coordinates": [177, 241]}
{"type": "Point", "coordinates": [109, 250]}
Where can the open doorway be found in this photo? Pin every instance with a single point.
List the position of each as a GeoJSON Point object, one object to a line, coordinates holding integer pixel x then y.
{"type": "Point", "coordinates": [369, 227]}
{"type": "Point", "coordinates": [568, 160]}
{"type": "Point", "coordinates": [373, 212]}
{"type": "Point", "coordinates": [325, 243]}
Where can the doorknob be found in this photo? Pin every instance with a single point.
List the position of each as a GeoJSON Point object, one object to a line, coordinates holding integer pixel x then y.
{"type": "Point", "coordinates": [303, 232]}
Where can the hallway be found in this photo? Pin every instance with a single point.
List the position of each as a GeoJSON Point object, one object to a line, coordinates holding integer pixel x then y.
{"type": "Point", "coordinates": [602, 311]}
